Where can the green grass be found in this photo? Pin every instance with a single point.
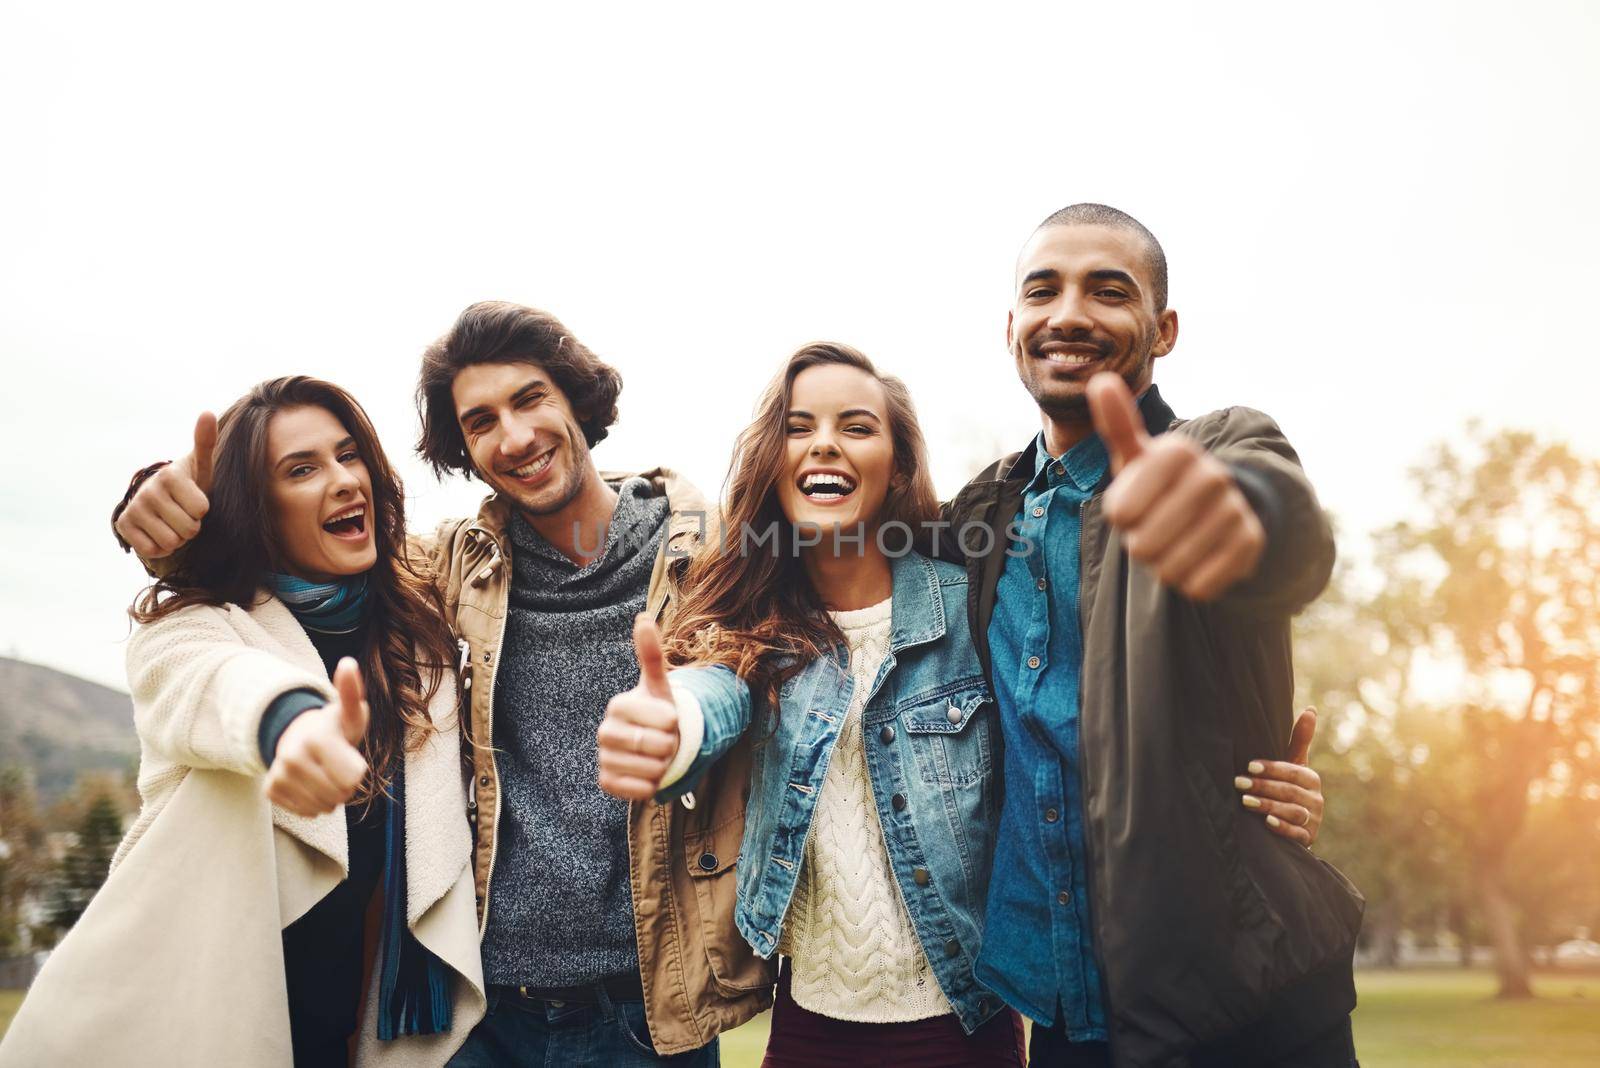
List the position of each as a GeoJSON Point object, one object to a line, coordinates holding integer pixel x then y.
{"type": "Point", "coordinates": [1450, 1019]}
{"type": "Point", "coordinates": [1418, 1019]}
{"type": "Point", "coordinates": [9, 1000]}
{"type": "Point", "coordinates": [743, 1046]}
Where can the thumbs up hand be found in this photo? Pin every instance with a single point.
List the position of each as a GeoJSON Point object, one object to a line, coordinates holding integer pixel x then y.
{"type": "Point", "coordinates": [1179, 509]}
{"type": "Point", "coordinates": [205, 445]}
{"type": "Point", "coordinates": [639, 734]}
{"type": "Point", "coordinates": [318, 765]}
{"type": "Point", "coordinates": [165, 512]}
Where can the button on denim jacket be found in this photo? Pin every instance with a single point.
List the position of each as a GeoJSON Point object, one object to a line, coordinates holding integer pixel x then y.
{"type": "Point", "coordinates": [931, 735]}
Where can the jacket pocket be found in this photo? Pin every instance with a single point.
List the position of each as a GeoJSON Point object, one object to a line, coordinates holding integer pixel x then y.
{"type": "Point", "coordinates": [1319, 909]}
{"type": "Point", "coordinates": [1224, 930]}
{"type": "Point", "coordinates": [951, 741]}
{"type": "Point", "coordinates": [712, 859]}
{"type": "Point", "coordinates": [1296, 914]}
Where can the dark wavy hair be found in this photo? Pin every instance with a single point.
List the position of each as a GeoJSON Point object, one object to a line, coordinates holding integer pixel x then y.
{"type": "Point", "coordinates": [757, 612]}
{"type": "Point", "coordinates": [494, 331]}
{"type": "Point", "coordinates": [408, 644]}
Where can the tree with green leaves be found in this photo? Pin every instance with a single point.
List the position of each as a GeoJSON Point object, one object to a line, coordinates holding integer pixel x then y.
{"type": "Point", "coordinates": [1498, 575]}
{"type": "Point", "coordinates": [85, 866]}
{"type": "Point", "coordinates": [24, 869]}
{"type": "Point", "coordinates": [1385, 762]}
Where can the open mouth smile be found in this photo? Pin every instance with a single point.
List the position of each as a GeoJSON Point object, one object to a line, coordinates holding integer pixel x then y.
{"type": "Point", "coordinates": [349, 525]}
{"type": "Point", "coordinates": [826, 487]}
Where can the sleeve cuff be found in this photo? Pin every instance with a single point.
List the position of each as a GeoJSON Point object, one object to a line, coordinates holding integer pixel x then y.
{"type": "Point", "coordinates": [280, 714]}
{"type": "Point", "coordinates": [1258, 493]}
{"type": "Point", "coordinates": [1262, 497]}
{"type": "Point", "coordinates": [691, 732]}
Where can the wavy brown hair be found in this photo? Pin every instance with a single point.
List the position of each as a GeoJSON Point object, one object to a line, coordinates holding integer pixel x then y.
{"type": "Point", "coordinates": [756, 611]}
{"type": "Point", "coordinates": [408, 646]}
{"type": "Point", "coordinates": [496, 331]}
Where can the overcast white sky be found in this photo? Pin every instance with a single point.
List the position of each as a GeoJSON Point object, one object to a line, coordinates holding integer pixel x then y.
{"type": "Point", "coordinates": [1380, 220]}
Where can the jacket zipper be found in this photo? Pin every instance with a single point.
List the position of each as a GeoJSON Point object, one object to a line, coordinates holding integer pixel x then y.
{"type": "Point", "coordinates": [464, 672]}
{"type": "Point", "coordinates": [488, 740]}
{"type": "Point", "coordinates": [1083, 798]}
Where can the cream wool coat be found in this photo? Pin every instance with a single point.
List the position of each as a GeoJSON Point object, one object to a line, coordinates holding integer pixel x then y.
{"type": "Point", "coordinates": [179, 958]}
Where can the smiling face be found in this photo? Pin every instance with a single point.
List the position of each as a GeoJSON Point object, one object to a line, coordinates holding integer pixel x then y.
{"type": "Point", "coordinates": [840, 456]}
{"type": "Point", "coordinates": [522, 435]}
{"type": "Point", "coordinates": [1085, 304]}
{"type": "Point", "coordinates": [320, 495]}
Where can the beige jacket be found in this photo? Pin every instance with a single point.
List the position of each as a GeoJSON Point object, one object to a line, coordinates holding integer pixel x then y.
{"type": "Point", "coordinates": [179, 959]}
{"type": "Point", "coordinates": [700, 977]}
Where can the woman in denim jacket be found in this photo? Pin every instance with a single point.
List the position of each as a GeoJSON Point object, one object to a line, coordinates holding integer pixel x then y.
{"type": "Point", "coordinates": [873, 798]}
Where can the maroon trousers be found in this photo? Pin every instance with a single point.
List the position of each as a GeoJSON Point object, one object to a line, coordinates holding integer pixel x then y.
{"type": "Point", "coordinates": [803, 1039]}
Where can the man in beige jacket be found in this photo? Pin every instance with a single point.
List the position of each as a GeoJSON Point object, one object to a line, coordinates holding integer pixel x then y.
{"type": "Point", "coordinates": [607, 927]}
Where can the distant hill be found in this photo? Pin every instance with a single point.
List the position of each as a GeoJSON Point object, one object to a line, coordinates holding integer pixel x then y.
{"type": "Point", "coordinates": [58, 726]}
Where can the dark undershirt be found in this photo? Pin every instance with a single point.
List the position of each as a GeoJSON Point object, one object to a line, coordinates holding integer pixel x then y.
{"type": "Point", "coordinates": [322, 950]}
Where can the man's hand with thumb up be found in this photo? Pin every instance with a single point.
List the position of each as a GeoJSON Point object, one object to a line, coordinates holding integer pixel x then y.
{"type": "Point", "coordinates": [164, 514]}
{"type": "Point", "coordinates": [1178, 508]}
{"type": "Point", "coordinates": [639, 734]}
{"type": "Point", "coordinates": [318, 765]}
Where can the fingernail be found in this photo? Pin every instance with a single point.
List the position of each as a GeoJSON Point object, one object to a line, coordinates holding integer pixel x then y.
{"type": "Point", "coordinates": [1256, 767]}
{"type": "Point", "coordinates": [1241, 782]}
{"type": "Point", "coordinates": [1273, 821]}
{"type": "Point", "coordinates": [1252, 802]}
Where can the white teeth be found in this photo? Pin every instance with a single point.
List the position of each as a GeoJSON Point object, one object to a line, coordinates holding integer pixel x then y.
{"type": "Point", "coordinates": [351, 513]}
{"type": "Point", "coordinates": [1069, 357]}
{"type": "Point", "coordinates": [814, 482]}
{"type": "Point", "coordinates": [528, 470]}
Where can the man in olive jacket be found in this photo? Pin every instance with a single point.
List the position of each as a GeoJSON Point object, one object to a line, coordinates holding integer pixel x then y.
{"type": "Point", "coordinates": [1132, 580]}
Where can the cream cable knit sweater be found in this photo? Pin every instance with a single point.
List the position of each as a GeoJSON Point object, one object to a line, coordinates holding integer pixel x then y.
{"type": "Point", "coordinates": [853, 952]}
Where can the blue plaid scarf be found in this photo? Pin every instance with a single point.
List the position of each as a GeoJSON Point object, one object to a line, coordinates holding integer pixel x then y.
{"type": "Point", "coordinates": [414, 985]}
{"type": "Point", "coordinates": [325, 607]}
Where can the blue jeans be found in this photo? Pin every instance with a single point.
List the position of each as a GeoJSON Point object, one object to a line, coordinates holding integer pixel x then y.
{"type": "Point", "coordinates": [520, 1033]}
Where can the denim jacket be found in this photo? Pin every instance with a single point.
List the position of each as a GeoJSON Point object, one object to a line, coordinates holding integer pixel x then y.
{"type": "Point", "coordinates": [932, 737]}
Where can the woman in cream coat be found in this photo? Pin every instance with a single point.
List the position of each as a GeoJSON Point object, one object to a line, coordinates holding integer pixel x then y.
{"type": "Point", "coordinates": [252, 917]}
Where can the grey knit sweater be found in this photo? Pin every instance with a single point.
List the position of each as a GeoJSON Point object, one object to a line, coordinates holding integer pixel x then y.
{"type": "Point", "coordinates": [560, 907]}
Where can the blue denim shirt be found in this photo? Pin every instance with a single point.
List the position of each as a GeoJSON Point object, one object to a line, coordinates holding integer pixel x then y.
{"type": "Point", "coordinates": [1039, 951]}
{"type": "Point", "coordinates": [930, 731]}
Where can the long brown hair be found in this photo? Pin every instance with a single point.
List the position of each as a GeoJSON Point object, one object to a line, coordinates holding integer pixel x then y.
{"type": "Point", "coordinates": [408, 646]}
{"type": "Point", "coordinates": [754, 610]}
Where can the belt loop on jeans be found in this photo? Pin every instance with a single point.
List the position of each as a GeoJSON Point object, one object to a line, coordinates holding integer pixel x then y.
{"type": "Point", "coordinates": [608, 1012]}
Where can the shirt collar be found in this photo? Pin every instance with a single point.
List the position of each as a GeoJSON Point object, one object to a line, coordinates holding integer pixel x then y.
{"type": "Point", "coordinates": [1082, 466]}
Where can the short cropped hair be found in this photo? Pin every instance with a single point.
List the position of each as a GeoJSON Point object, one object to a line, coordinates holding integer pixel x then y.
{"type": "Point", "coordinates": [1104, 215]}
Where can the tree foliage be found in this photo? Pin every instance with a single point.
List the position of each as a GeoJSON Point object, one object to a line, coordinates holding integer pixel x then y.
{"type": "Point", "coordinates": [1464, 697]}
{"type": "Point", "coordinates": [83, 867]}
